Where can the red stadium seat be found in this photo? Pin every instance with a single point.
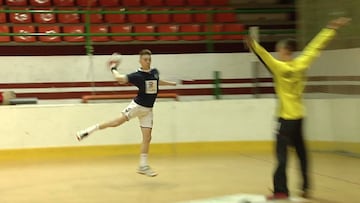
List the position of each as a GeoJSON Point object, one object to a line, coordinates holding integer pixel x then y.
{"type": "Point", "coordinates": [191, 28]}
{"type": "Point", "coordinates": [175, 2]}
{"type": "Point", "coordinates": [44, 17]}
{"type": "Point", "coordinates": [132, 3]}
{"type": "Point", "coordinates": [85, 3]}
{"type": "Point", "coordinates": [2, 16]}
{"type": "Point", "coordinates": [182, 17]}
{"type": "Point", "coordinates": [4, 29]}
{"type": "Point", "coordinates": [225, 17]}
{"type": "Point", "coordinates": [20, 17]}
{"type": "Point", "coordinates": [99, 29]}
{"type": "Point", "coordinates": [64, 2]}
{"type": "Point", "coordinates": [138, 18]}
{"type": "Point", "coordinates": [219, 2]}
{"type": "Point", "coordinates": [154, 2]}
{"type": "Point", "coordinates": [109, 3]}
{"type": "Point", "coordinates": [49, 29]}
{"type": "Point", "coordinates": [1, 2]}
{"type": "Point", "coordinates": [16, 2]}
{"type": "Point", "coordinates": [24, 29]}
{"type": "Point", "coordinates": [68, 17]}
{"type": "Point", "coordinates": [94, 18]}
{"type": "Point", "coordinates": [160, 18]}
{"type": "Point", "coordinates": [144, 29]}
{"type": "Point", "coordinates": [77, 29]}
{"type": "Point", "coordinates": [234, 28]}
{"type": "Point", "coordinates": [121, 29]}
{"type": "Point", "coordinates": [40, 2]}
{"type": "Point", "coordinates": [168, 29]}
{"type": "Point", "coordinates": [215, 28]}
{"type": "Point", "coordinates": [114, 18]}
{"type": "Point", "coordinates": [197, 2]}
{"type": "Point", "coordinates": [203, 17]}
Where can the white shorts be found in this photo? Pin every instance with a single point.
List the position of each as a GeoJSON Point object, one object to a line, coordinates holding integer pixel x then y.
{"type": "Point", "coordinates": [144, 114]}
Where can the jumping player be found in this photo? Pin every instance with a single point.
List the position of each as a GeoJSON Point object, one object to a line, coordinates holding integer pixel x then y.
{"type": "Point", "coordinates": [146, 79]}
{"type": "Point", "coordinates": [289, 79]}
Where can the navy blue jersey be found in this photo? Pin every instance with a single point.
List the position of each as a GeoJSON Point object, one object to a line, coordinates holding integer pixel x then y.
{"type": "Point", "coordinates": [148, 85]}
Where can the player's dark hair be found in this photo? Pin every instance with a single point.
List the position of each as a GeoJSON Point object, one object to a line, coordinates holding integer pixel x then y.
{"type": "Point", "coordinates": [145, 52]}
{"type": "Point", "coordinates": [289, 44]}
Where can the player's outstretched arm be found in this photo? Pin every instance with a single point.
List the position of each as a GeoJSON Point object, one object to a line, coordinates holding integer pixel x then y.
{"type": "Point", "coordinates": [166, 83]}
{"type": "Point", "coordinates": [319, 42]}
{"type": "Point", "coordinates": [121, 78]}
{"type": "Point", "coordinates": [264, 56]}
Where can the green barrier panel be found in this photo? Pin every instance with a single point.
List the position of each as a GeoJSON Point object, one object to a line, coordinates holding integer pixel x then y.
{"type": "Point", "coordinates": [217, 82]}
{"type": "Point", "coordinates": [291, 31]}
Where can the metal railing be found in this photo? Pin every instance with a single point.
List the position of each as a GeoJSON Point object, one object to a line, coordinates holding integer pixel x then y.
{"type": "Point", "coordinates": [208, 33]}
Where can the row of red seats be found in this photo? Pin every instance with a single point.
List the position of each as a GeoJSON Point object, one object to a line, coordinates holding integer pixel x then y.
{"type": "Point", "coordinates": [118, 18]}
{"type": "Point", "coordinates": [173, 28]}
{"type": "Point", "coordinates": [131, 3]}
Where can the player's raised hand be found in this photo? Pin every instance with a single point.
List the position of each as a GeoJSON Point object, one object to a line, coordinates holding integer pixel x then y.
{"type": "Point", "coordinates": [248, 41]}
{"type": "Point", "coordinates": [338, 22]}
{"type": "Point", "coordinates": [114, 61]}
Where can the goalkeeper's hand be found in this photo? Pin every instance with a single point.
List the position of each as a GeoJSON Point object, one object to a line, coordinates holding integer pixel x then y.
{"type": "Point", "coordinates": [338, 23]}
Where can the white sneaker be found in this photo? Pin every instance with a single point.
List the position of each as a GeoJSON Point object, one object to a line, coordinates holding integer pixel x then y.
{"type": "Point", "coordinates": [146, 170]}
{"type": "Point", "coordinates": [81, 134]}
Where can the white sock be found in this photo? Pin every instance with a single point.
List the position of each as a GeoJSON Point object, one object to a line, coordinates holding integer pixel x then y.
{"type": "Point", "coordinates": [143, 159]}
{"type": "Point", "coordinates": [92, 129]}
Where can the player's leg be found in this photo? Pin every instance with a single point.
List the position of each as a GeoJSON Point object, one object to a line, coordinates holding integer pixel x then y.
{"type": "Point", "coordinates": [113, 123]}
{"type": "Point", "coordinates": [145, 145]}
{"type": "Point", "coordinates": [146, 123]}
{"type": "Point", "coordinates": [129, 112]}
{"type": "Point", "coordinates": [303, 159]}
{"type": "Point", "coordinates": [280, 178]}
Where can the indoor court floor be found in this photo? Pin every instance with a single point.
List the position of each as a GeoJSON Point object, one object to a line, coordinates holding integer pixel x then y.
{"type": "Point", "coordinates": [113, 178]}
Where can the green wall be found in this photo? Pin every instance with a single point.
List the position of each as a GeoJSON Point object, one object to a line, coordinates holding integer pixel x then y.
{"type": "Point", "coordinates": [314, 14]}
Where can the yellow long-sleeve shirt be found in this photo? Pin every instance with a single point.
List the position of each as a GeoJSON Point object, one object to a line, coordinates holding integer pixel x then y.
{"type": "Point", "coordinates": [289, 76]}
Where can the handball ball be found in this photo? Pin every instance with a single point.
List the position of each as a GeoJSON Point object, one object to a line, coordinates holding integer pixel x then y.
{"type": "Point", "coordinates": [115, 58]}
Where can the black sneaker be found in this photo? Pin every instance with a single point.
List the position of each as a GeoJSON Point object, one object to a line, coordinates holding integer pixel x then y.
{"type": "Point", "coordinates": [305, 194]}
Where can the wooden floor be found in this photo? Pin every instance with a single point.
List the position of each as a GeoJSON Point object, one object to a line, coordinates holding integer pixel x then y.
{"type": "Point", "coordinates": [110, 179]}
